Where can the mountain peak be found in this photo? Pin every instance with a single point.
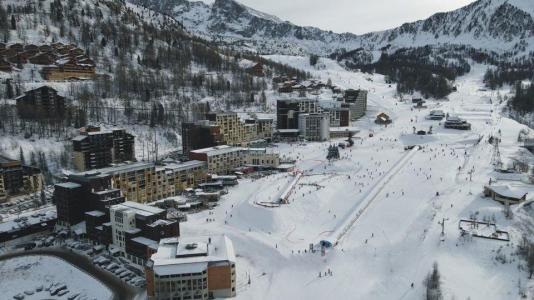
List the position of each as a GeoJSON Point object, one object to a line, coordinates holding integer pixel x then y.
{"type": "Point", "coordinates": [495, 25]}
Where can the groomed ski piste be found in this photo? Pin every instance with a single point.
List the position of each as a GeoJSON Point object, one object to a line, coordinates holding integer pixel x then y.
{"type": "Point", "coordinates": [380, 203]}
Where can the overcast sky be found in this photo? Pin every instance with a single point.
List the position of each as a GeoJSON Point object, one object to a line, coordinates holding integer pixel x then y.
{"type": "Point", "coordinates": [357, 16]}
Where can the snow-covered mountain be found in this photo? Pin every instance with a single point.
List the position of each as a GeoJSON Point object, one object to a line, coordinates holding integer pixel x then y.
{"type": "Point", "coordinates": [497, 25]}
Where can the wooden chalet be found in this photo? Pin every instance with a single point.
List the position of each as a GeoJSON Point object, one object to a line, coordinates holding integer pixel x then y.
{"type": "Point", "coordinates": [45, 48]}
{"type": "Point", "coordinates": [57, 45]}
{"type": "Point", "coordinates": [69, 70]}
{"type": "Point", "coordinates": [61, 61]}
{"type": "Point", "coordinates": [383, 119]}
{"type": "Point", "coordinates": [19, 58]}
{"type": "Point", "coordinates": [8, 52]}
{"type": "Point", "coordinates": [5, 66]}
{"type": "Point", "coordinates": [31, 47]}
{"type": "Point", "coordinates": [76, 52]}
{"type": "Point", "coordinates": [17, 47]}
{"type": "Point", "coordinates": [256, 70]}
{"type": "Point", "coordinates": [43, 59]}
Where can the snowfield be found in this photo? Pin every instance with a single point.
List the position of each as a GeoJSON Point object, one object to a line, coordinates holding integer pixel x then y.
{"type": "Point", "coordinates": [399, 197]}
{"type": "Point", "coordinates": [38, 275]}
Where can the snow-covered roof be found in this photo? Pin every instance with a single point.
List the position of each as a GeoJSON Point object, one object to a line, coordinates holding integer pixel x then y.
{"type": "Point", "coordinates": [79, 138]}
{"type": "Point", "coordinates": [29, 219]}
{"type": "Point", "coordinates": [217, 150]}
{"type": "Point", "coordinates": [144, 241]}
{"type": "Point", "coordinates": [191, 254]}
{"type": "Point", "coordinates": [160, 222]}
{"type": "Point", "coordinates": [141, 209]}
{"type": "Point", "coordinates": [121, 168]}
{"type": "Point", "coordinates": [95, 213]}
{"type": "Point", "coordinates": [182, 166]}
{"type": "Point", "coordinates": [224, 177]}
{"type": "Point", "coordinates": [246, 64]}
{"type": "Point", "coordinates": [288, 130]}
{"type": "Point", "coordinates": [68, 185]}
{"type": "Point", "coordinates": [511, 191]}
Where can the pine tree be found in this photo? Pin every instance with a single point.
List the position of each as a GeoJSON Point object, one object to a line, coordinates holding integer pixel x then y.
{"type": "Point", "coordinates": [4, 23]}
{"type": "Point", "coordinates": [43, 196]}
{"type": "Point", "coordinates": [9, 89]}
{"type": "Point", "coordinates": [13, 23]}
{"type": "Point", "coordinates": [33, 160]}
{"type": "Point", "coordinates": [433, 284]}
{"type": "Point", "coordinates": [314, 59]}
{"type": "Point", "coordinates": [21, 156]}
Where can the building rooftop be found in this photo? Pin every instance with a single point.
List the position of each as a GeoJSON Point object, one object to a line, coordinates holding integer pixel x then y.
{"type": "Point", "coordinates": [161, 223]}
{"type": "Point", "coordinates": [191, 254]}
{"type": "Point", "coordinates": [120, 168]}
{"type": "Point", "coordinates": [288, 130]}
{"type": "Point", "coordinates": [298, 100]}
{"type": "Point", "coordinates": [217, 150]}
{"type": "Point", "coordinates": [141, 209]}
{"type": "Point", "coordinates": [517, 190]}
{"type": "Point", "coordinates": [107, 191]}
{"type": "Point", "coordinates": [95, 213]}
{"type": "Point", "coordinates": [79, 138]}
{"type": "Point", "coordinates": [69, 185]}
{"type": "Point", "coordinates": [28, 219]}
{"type": "Point", "coordinates": [175, 166]}
{"type": "Point", "coordinates": [144, 241]}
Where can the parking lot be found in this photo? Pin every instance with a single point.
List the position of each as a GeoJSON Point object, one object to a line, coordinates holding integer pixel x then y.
{"type": "Point", "coordinates": [24, 203]}
{"type": "Point", "coordinates": [118, 266]}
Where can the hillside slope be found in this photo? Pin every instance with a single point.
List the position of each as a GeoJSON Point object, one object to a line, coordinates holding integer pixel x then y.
{"type": "Point", "coordinates": [152, 75]}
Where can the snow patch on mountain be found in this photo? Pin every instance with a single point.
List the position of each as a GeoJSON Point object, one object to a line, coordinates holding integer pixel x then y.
{"type": "Point", "coordinates": [495, 25]}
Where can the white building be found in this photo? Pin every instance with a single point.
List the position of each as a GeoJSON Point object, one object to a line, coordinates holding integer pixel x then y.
{"type": "Point", "coordinates": [123, 219]}
{"type": "Point", "coordinates": [315, 127]}
{"type": "Point", "coordinates": [192, 268]}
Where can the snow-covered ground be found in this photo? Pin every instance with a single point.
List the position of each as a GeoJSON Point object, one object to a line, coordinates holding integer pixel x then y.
{"type": "Point", "coordinates": [400, 198]}
{"type": "Point", "coordinates": [38, 275]}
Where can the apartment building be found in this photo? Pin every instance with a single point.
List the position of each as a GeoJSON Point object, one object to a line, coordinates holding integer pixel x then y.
{"type": "Point", "coordinates": [225, 129]}
{"type": "Point", "coordinates": [17, 179]}
{"type": "Point", "coordinates": [200, 135]}
{"type": "Point", "coordinates": [95, 148]}
{"type": "Point", "coordinates": [315, 127]}
{"type": "Point", "coordinates": [232, 129]}
{"type": "Point", "coordinates": [287, 111]}
{"type": "Point", "coordinates": [260, 158]}
{"type": "Point", "coordinates": [131, 230]}
{"type": "Point", "coordinates": [137, 226]}
{"type": "Point", "coordinates": [357, 100]}
{"type": "Point", "coordinates": [192, 268]}
{"type": "Point", "coordinates": [84, 193]}
{"type": "Point", "coordinates": [144, 182]}
{"type": "Point", "coordinates": [42, 103]}
{"type": "Point", "coordinates": [263, 128]}
{"type": "Point", "coordinates": [177, 177]}
{"type": "Point", "coordinates": [220, 160]}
